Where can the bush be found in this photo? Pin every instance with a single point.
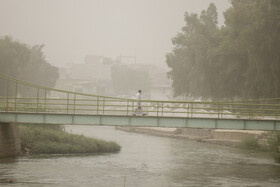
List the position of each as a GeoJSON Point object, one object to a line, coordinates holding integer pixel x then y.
{"type": "Point", "coordinates": [52, 139]}
{"type": "Point", "coordinates": [273, 146]}
{"type": "Point", "coordinates": [250, 143]}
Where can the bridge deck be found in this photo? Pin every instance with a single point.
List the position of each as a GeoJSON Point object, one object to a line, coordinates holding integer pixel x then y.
{"type": "Point", "coordinates": [145, 121]}
{"type": "Point", "coordinates": [24, 102]}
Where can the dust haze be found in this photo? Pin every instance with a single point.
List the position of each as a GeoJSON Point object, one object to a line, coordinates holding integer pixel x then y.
{"type": "Point", "coordinates": [72, 29]}
{"type": "Point", "coordinates": [107, 47]}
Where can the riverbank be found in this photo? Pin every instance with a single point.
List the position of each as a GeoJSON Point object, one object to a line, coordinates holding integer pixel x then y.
{"type": "Point", "coordinates": [52, 139]}
{"type": "Point", "coordinates": [143, 161]}
{"type": "Point", "coordinates": [268, 141]}
{"type": "Point", "coordinates": [215, 136]}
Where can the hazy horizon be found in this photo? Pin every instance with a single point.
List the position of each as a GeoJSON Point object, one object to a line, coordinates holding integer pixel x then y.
{"type": "Point", "coordinates": [72, 29]}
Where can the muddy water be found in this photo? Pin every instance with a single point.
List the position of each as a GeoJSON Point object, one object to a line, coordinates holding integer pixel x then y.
{"type": "Point", "coordinates": [143, 161]}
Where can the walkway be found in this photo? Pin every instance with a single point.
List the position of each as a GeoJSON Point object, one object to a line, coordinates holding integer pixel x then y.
{"type": "Point", "coordinates": [29, 103]}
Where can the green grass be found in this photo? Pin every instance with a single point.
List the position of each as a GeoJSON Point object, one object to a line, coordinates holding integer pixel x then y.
{"type": "Point", "coordinates": [52, 139]}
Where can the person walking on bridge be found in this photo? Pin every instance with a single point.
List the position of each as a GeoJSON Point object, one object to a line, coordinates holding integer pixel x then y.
{"type": "Point", "coordinates": [138, 98]}
{"type": "Point", "coordinates": [138, 110]}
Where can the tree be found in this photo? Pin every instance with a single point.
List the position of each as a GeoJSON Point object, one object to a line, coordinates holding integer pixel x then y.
{"type": "Point", "coordinates": [254, 27]}
{"type": "Point", "coordinates": [126, 79]}
{"type": "Point", "coordinates": [25, 63]}
{"type": "Point", "coordinates": [190, 56]}
{"type": "Point", "coordinates": [240, 59]}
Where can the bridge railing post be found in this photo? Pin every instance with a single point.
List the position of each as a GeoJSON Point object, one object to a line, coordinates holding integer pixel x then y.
{"type": "Point", "coordinates": [218, 107]}
{"type": "Point", "coordinates": [45, 101]}
{"type": "Point", "coordinates": [157, 107]}
{"type": "Point", "coordinates": [37, 100]}
{"type": "Point", "coordinates": [7, 96]}
{"type": "Point", "coordinates": [67, 107]}
{"type": "Point", "coordinates": [162, 109]}
{"type": "Point", "coordinates": [251, 109]}
{"type": "Point", "coordinates": [16, 96]}
{"type": "Point", "coordinates": [132, 107]}
{"type": "Point", "coordinates": [188, 109]}
{"type": "Point", "coordinates": [74, 107]}
{"type": "Point", "coordinates": [97, 105]}
{"type": "Point", "coordinates": [222, 109]}
{"type": "Point", "coordinates": [191, 109]}
{"type": "Point", "coordinates": [127, 105]}
{"type": "Point", "coordinates": [103, 105]}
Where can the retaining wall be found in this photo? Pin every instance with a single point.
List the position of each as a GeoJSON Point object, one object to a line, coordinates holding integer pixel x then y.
{"type": "Point", "coordinates": [236, 134]}
{"type": "Point", "coordinates": [215, 136]}
{"type": "Point", "coordinates": [197, 133]}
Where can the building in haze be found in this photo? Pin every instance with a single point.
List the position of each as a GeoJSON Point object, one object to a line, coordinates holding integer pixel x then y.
{"type": "Point", "coordinates": [91, 77]}
{"type": "Point", "coordinates": [94, 77]}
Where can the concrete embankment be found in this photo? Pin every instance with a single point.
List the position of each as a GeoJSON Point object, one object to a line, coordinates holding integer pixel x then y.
{"type": "Point", "coordinates": [215, 136]}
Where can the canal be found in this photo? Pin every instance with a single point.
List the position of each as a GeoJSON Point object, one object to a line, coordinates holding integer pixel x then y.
{"type": "Point", "coordinates": [144, 160]}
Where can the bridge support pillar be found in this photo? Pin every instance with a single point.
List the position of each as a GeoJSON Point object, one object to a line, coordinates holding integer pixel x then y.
{"type": "Point", "coordinates": [9, 140]}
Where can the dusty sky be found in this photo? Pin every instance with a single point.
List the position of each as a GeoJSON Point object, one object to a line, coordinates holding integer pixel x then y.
{"type": "Point", "coordinates": [71, 29]}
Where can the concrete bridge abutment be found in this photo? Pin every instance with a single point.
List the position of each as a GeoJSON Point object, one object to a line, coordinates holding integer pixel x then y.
{"type": "Point", "coordinates": [9, 140]}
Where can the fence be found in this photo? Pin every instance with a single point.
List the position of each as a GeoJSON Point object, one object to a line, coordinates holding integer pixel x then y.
{"type": "Point", "coordinates": [20, 96]}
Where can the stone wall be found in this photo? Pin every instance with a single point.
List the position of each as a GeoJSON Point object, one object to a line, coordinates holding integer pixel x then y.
{"type": "Point", "coordinates": [9, 140]}
{"type": "Point", "coordinates": [194, 133]}
{"type": "Point", "coordinates": [236, 134]}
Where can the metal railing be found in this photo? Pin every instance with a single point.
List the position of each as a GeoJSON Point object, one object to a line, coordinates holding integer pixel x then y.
{"type": "Point", "coordinates": [41, 99]}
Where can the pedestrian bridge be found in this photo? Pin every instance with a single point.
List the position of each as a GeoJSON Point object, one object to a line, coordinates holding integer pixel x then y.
{"type": "Point", "coordinates": [23, 102]}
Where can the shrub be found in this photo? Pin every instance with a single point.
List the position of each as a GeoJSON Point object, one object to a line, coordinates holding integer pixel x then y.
{"type": "Point", "coordinates": [273, 146]}
{"type": "Point", "coordinates": [250, 143]}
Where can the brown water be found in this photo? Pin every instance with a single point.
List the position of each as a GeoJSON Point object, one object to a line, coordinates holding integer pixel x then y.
{"type": "Point", "coordinates": [143, 161]}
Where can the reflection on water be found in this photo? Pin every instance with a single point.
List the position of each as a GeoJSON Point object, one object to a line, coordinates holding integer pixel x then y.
{"type": "Point", "coordinates": [8, 160]}
{"type": "Point", "coordinates": [5, 173]}
{"type": "Point", "coordinates": [144, 161]}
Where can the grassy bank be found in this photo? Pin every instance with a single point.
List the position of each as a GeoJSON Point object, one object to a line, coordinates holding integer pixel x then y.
{"type": "Point", "coordinates": [52, 139]}
{"type": "Point", "coordinates": [272, 146]}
